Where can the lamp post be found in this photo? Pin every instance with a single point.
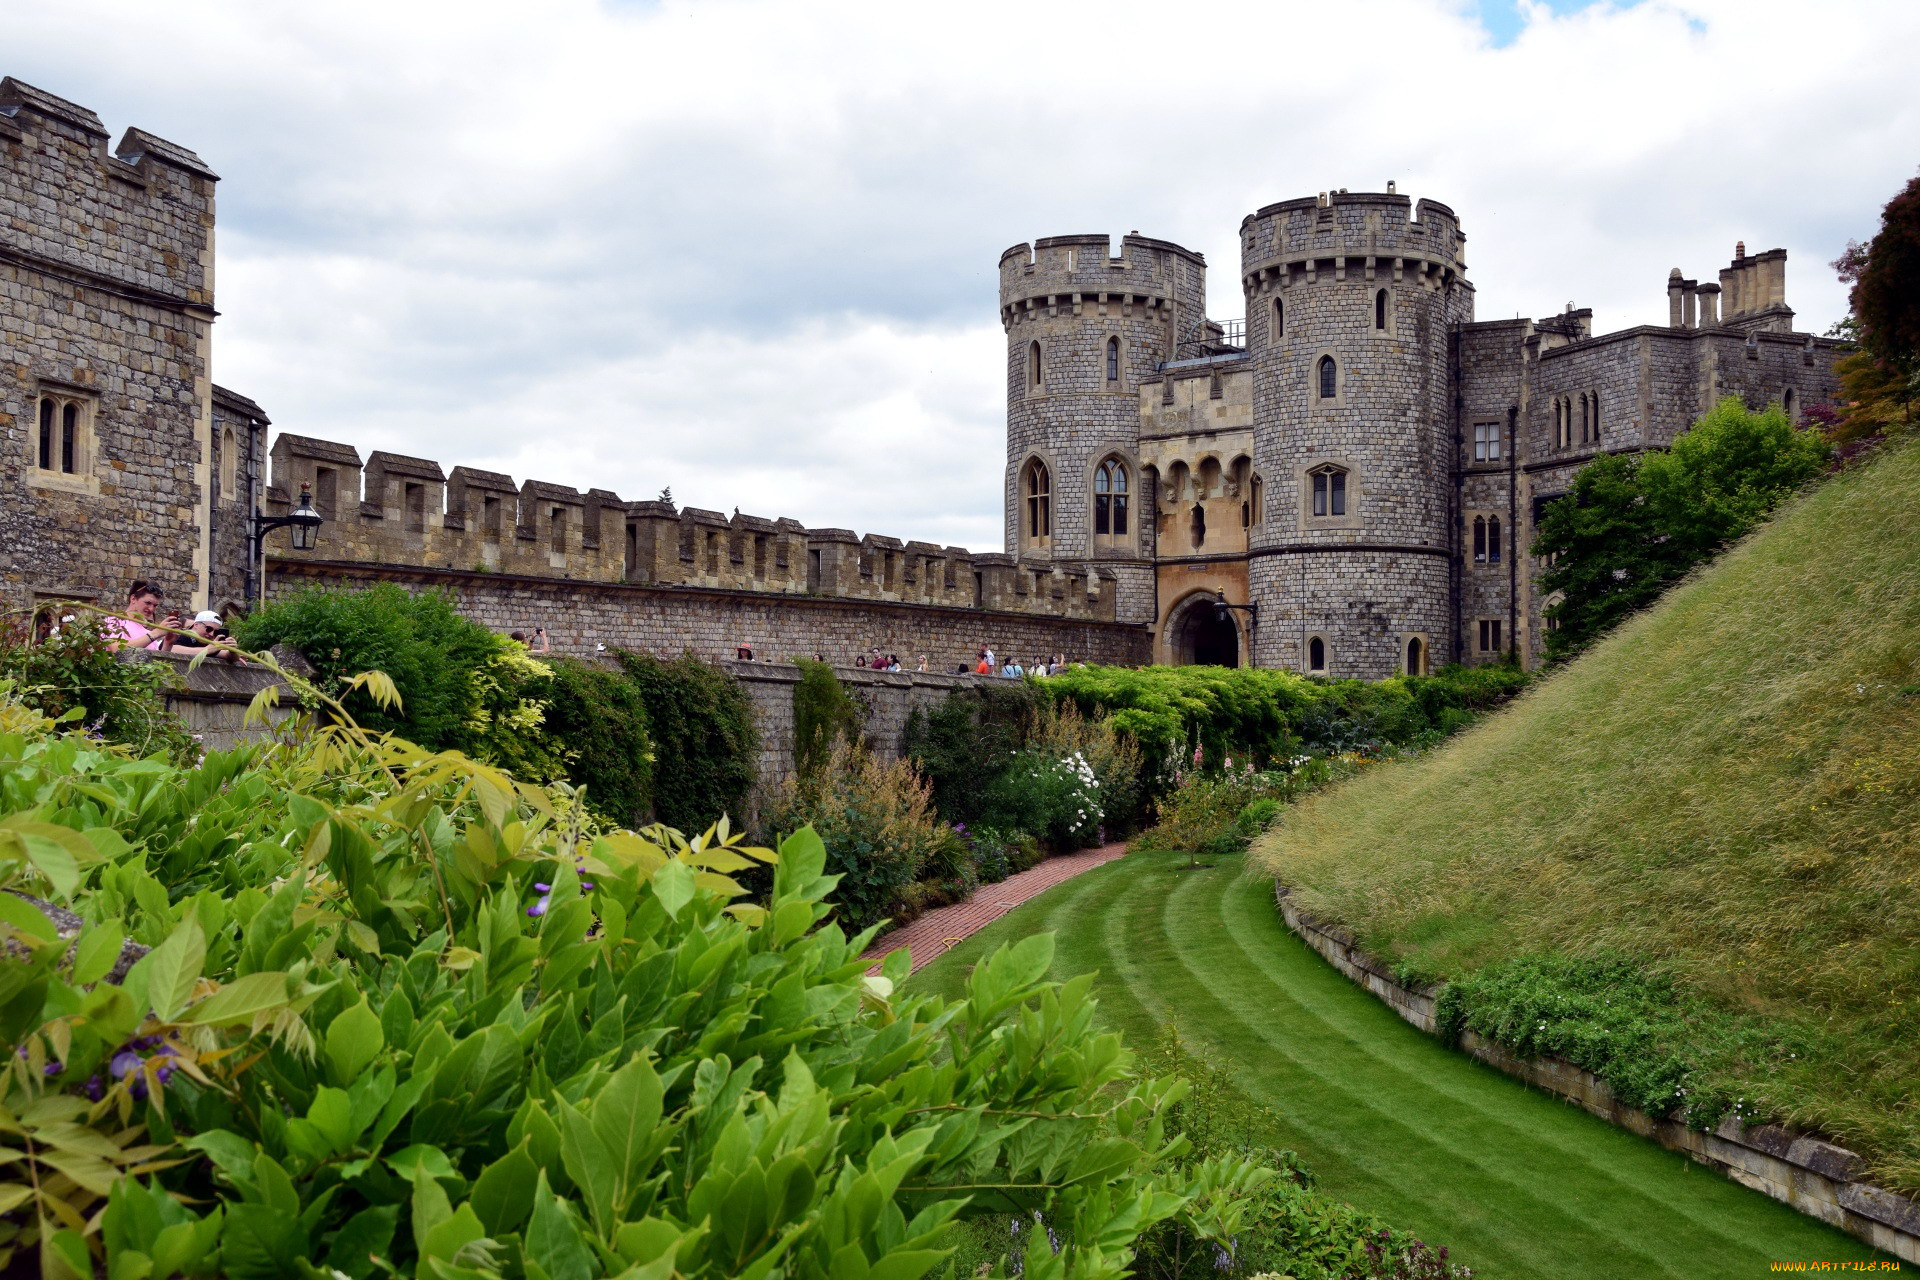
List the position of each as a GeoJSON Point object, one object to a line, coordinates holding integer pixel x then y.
{"type": "Point", "coordinates": [305, 523]}
{"type": "Point", "coordinates": [1224, 612]}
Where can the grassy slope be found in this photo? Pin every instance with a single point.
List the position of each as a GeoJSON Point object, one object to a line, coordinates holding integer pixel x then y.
{"type": "Point", "coordinates": [1515, 1183]}
{"type": "Point", "coordinates": [1728, 788]}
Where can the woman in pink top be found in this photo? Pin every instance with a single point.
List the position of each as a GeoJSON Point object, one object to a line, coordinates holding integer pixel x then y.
{"type": "Point", "coordinates": [136, 628]}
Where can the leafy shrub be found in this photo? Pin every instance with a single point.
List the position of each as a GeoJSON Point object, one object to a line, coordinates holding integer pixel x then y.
{"type": "Point", "coordinates": [1657, 1048]}
{"type": "Point", "coordinates": [875, 818]}
{"type": "Point", "coordinates": [74, 674]}
{"type": "Point", "coordinates": [598, 715]}
{"type": "Point", "coordinates": [424, 646]}
{"type": "Point", "coordinates": [962, 745]}
{"type": "Point", "coordinates": [1115, 759]}
{"type": "Point", "coordinates": [1213, 815]}
{"type": "Point", "coordinates": [823, 713]}
{"type": "Point", "coordinates": [704, 741]}
{"type": "Point", "coordinates": [400, 1016]}
{"type": "Point", "coordinates": [507, 724]}
{"type": "Point", "coordinates": [1632, 525]}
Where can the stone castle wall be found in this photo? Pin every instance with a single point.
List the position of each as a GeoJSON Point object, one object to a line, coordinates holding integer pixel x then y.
{"type": "Point", "coordinates": [407, 512]}
{"type": "Point", "coordinates": [581, 616]}
{"type": "Point", "coordinates": [106, 294]}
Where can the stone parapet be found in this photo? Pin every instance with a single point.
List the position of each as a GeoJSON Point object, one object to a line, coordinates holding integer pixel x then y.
{"type": "Point", "coordinates": [1814, 1176]}
{"type": "Point", "coordinates": [404, 512]}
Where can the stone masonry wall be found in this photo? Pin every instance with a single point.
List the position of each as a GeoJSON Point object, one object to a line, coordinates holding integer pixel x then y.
{"type": "Point", "coordinates": [888, 698]}
{"type": "Point", "coordinates": [581, 616]}
{"type": "Point", "coordinates": [106, 302]}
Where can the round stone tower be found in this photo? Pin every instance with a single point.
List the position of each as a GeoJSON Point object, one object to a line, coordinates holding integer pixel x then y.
{"type": "Point", "coordinates": [1084, 328]}
{"type": "Point", "coordinates": [1350, 307]}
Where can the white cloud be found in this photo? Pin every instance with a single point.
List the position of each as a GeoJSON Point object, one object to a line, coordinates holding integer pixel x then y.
{"type": "Point", "coordinates": [749, 248]}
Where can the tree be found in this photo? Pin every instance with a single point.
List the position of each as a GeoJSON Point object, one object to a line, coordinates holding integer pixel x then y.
{"type": "Point", "coordinates": [1882, 382]}
{"type": "Point", "coordinates": [1631, 525]}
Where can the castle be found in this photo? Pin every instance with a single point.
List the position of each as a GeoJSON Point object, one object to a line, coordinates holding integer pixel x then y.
{"type": "Point", "coordinates": [1338, 483]}
{"type": "Point", "coordinates": [1357, 467]}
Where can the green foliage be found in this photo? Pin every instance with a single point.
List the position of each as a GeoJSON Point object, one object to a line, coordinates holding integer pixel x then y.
{"type": "Point", "coordinates": [823, 713]}
{"type": "Point", "coordinates": [1631, 525]}
{"type": "Point", "coordinates": [1658, 1049]}
{"type": "Point", "coordinates": [1265, 715]}
{"type": "Point", "coordinates": [1052, 796]}
{"type": "Point", "coordinates": [962, 745]}
{"type": "Point", "coordinates": [1212, 815]}
{"type": "Point", "coordinates": [1882, 382]}
{"type": "Point", "coordinates": [599, 714]}
{"type": "Point", "coordinates": [418, 639]}
{"type": "Point", "coordinates": [73, 674]}
{"type": "Point", "coordinates": [877, 822]}
{"type": "Point", "coordinates": [704, 741]}
{"type": "Point", "coordinates": [402, 1016]}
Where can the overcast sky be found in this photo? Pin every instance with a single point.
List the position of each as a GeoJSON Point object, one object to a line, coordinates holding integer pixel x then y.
{"type": "Point", "coordinates": [749, 250]}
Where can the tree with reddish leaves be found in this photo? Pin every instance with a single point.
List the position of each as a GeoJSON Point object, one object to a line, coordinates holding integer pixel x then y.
{"type": "Point", "coordinates": [1882, 382]}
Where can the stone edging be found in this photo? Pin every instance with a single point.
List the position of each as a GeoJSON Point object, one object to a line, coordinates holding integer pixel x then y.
{"type": "Point", "coordinates": [1813, 1176]}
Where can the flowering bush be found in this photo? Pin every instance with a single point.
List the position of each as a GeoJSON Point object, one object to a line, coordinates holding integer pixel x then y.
{"type": "Point", "coordinates": [1057, 797]}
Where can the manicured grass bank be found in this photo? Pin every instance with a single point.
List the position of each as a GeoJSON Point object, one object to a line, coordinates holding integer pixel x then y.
{"type": "Point", "coordinates": [1517, 1184]}
{"type": "Point", "coordinates": [1725, 792]}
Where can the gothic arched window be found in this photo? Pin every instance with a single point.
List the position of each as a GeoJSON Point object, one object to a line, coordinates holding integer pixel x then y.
{"type": "Point", "coordinates": [1037, 484]}
{"type": "Point", "coordinates": [1493, 539]}
{"type": "Point", "coordinates": [1316, 654]}
{"type": "Point", "coordinates": [1380, 309]}
{"type": "Point", "coordinates": [1479, 539]}
{"type": "Point", "coordinates": [1416, 657]}
{"type": "Point", "coordinates": [1329, 491]}
{"type": "Point", "coordinates": [1113, 359]}
{"type": "Point", "coordinates": [1110, 503]}
{"type": "Point", "coordinates": [1259, 500]}
{"type": "Point", "coordinates": [1329, 378]}
{"type": "Point", "coordinates": [1594, 402]}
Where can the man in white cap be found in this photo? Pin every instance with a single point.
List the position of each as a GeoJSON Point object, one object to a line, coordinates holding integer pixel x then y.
{"type": "Point", "coordinates": [208, 636]}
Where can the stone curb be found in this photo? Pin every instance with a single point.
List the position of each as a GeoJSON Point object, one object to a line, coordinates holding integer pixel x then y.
{"type": "Point", "coordinates": [1813, 1176]}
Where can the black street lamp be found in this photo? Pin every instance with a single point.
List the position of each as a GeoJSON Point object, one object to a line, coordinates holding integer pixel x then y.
{"type": "Point", "coordinates": [303, 520]}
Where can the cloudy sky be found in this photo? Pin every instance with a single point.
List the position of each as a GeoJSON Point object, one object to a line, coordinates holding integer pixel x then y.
{"type": "Point", "coordinates": [748, 249]}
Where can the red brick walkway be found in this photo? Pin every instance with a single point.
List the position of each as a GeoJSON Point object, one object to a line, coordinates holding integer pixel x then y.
{"type": "Point", "coordinates": [940, 930]}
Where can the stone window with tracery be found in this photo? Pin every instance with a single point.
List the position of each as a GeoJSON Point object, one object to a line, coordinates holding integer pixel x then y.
{"type": "Point", "coordinates": [1110, 497]}
{"type": "Point", "coordinates": [1036, 484]}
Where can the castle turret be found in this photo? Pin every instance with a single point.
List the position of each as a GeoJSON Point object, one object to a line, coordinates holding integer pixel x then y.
{"type": "Point", "coordinates": [1349, 308]}
{"type": "Point", "coordinates": [1083, 328]}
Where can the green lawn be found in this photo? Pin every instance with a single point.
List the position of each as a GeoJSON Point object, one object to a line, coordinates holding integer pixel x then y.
{"type": "Point", "coordinates": [1516, 1183]}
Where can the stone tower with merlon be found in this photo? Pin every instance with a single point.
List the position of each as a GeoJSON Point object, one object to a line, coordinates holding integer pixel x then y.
{"type": "Point", "coordinates": [1083, 327]}
{"type": "Point", "coordinates": [1351, 301]}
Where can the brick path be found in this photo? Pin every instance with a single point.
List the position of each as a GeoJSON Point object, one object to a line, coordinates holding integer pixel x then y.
{"type": "Point", "coordinates": [940, 930]}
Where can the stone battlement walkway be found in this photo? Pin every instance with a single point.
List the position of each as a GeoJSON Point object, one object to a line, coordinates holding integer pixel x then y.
{"type": "Point", "coordinates": [939, 930]}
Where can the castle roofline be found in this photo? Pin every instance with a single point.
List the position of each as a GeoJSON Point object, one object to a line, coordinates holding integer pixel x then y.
{"type": "Point", "coordinates": [16, 96]}
{"type": "Point", "coordinates": [138, 143]}
{"type": "Point", "coordinates": [240, 404]}
{"type": "Point", "coordinates": [1025, 250]}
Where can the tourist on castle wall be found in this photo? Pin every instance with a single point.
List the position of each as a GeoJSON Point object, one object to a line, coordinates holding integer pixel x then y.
{"type": "Point", "coordinates": [539, 643]}
{"type": "Point", "coordinates": [136, 627]}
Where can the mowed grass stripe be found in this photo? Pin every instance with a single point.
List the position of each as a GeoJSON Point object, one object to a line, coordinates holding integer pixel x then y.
{"type": "Point", "coordinates": [1517, 1183]}
{"type": "Point", "coordinates": [1381, 1103]}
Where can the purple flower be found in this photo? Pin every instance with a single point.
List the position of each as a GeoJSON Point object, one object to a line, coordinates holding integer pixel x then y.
{"type": "Point", "coordinates": [586, 884]}
{"type": "Point", "coordinates": [52, 1069]}
{"type": "Point", "coordinates": [93, 1088]}
{"type": "Point", "coordinates": [124, 1064]}
{"type": "Point", "coordinates": [539, 908]}
{"type": "Point", "coordinates": [164, 1073]}
{"type": "Point", "coordinates": [542, 888]}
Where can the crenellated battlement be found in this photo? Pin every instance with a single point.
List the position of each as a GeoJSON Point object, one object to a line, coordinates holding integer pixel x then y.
{"type": "Point", "coordinates": [1341, 235]}
{"type": "Point", "coordinates": [408, 512]}
{"type": "Point", "coordinates": [139, 217]}
{"type": "Point", "coordinates": [1058, 275]}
